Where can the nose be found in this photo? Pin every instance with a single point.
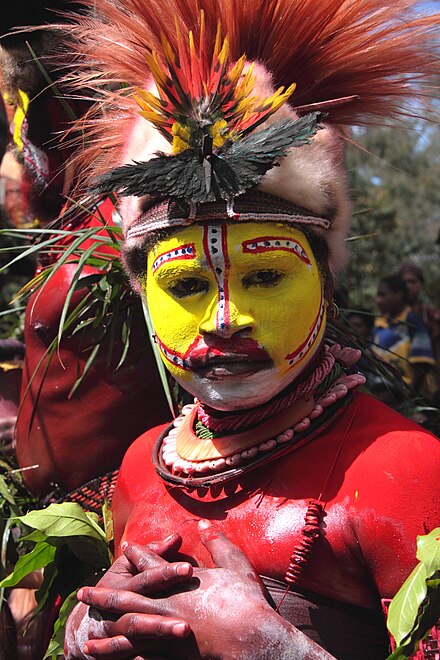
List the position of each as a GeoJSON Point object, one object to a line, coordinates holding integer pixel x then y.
{"type": "Point", "coordinates": [224, 319]}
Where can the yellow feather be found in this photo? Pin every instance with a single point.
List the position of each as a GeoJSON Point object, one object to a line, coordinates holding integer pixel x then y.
{"type": "Point", "coordinates": [147, 100]}
{"type": "Point", "coordinates": [168, 51]}
{"type": "Point", "coordinates": [159, 75]}
{"type": "Point", "coordinates": [201, 33]}
{"type": "Point", "coordinates": [154, 118]}
{"type": "Point", "coordinates": [218, 39]}
{"type": "Point", "coordinates": [192, 50]}
{"type": "Point", "coordinates": [245, 105]}
{"type": "Point", "coordinates": [223, 55]}
{"type": "Point", "coordinates": [179, 145]}
{"type": "Point", "coordinates": [181, 131]}
{"type": "Point", "coordinates": [237, 69]}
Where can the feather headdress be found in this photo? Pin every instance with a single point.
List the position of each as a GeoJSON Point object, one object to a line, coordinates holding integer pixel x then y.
{"type": "Point", "coordinates": [357, 61]}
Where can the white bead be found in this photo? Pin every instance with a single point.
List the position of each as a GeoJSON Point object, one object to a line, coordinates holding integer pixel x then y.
{"type": "Point", "coordinates": [187, 409]}
{"type": "Point", "coordinates": [249, 453]}
{"type": "Point", "coordinates": [302, 426]}
{"type": "Point", "coordinates": [218, 464]}
{"type": "Point", "coordinates": [285, 436]}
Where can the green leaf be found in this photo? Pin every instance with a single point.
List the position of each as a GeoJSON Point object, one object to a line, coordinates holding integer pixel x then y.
{"type": "Point", "coordinates": [427, 617]}
{"type": "Point", "coordinates": [66, 519]}
{"type": "Point", "coordinates": [56, 646]}
{"type": "Point", "coordinates": [405, 604]}
{"type": "Point", "coordinates": [90, 551]}
{"type": "Point", "coordinates": [42, 555]}
{"type": "Point", "coordinates": [42, 595]}
{"type": "Point", "coordinates": [5, 492]}
{"type": "Point", "coordinates": [55, 649]}
{"type": "Point", "coordinates": [107, 515]}
{"type": "Point", "coordinates": [433, 584]}
{"type": "Point", "coordinates": [86, 369]}
{"type": "Point", "coordinates": [428, 551]}
{"type": "Point", "coordinates": [36, 536]}
{"type": "Point", "coordinates": [81, 263]}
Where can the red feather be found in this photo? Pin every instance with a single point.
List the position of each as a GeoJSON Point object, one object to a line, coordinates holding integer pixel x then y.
{"type": "Point", "coordinates": [375, 54]}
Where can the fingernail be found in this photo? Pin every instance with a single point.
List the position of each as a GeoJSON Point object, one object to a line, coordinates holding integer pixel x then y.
{"type": "Point", "coordinates": [180, 630]}
{"type": "Point", "coordinates": [124, 545]}
{"type": "Point", "coordinates": [86, 649]}
{"type": "Point", "coordinates": [169, 538]}
{"type": "Point", "coordinates": [183, 569]}
{"type": "Point", "coordinates": [79, 594]}
{"type": "Point", "coordinates": [204, 524]}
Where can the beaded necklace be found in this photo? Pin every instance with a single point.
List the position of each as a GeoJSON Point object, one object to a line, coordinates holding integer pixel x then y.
{"type": "Point", "coordinates": [184, 457]}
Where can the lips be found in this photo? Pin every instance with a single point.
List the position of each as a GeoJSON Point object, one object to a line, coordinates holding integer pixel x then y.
{"type": "Point", "coordinates": [226, 357]}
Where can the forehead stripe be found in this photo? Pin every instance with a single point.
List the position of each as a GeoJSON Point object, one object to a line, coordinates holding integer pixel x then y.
{"type": "Point", "coordinates": [272, 243]}
{"type": "Point", "coordinates": [216, 251]}
{"type": "Point", "coordinates": [187, 251]}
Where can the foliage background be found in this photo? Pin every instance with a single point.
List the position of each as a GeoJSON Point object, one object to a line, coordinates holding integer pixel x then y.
{"type": "Point", "coordinates": [395, 187]}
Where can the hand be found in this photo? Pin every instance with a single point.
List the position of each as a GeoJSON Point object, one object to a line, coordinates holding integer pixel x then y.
{"type": "Point", "coordinates": [141, 570]}
{"type": "Point", "coordinates": [225, 606]}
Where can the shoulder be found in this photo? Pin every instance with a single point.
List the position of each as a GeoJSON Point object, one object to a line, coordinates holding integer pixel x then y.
{"type": "Point", "coordinates": [136, 475]}
{"type": "Point", "coordinates": [140, 451]}
{"type": "Point", "coordinates": [386, 435]}
{"type": "Point", "coordinates": [390, 483]}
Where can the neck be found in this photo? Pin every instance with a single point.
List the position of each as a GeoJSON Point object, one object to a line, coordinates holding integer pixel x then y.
{"type": "Point", "coordinates": [186, 453]}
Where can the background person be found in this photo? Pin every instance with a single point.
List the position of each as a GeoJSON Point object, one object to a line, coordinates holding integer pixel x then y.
{"type": "Point", "coordinates": [414, 278]}
{"type": "Point", "coordinates": [400, 335]}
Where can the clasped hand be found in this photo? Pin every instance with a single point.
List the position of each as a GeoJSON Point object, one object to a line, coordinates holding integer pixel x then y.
{"type": "Point", "coordinates": [148, 607]}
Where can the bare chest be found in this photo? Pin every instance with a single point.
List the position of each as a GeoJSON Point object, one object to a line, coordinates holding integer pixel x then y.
{"type": "Point", "coordinates": [267, 526]}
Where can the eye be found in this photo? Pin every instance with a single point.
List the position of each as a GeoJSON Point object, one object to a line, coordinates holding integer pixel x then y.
{"type": "Point", "coordinates": [263, 278]}
{"type": "Point", "coordinates": [188, 286]}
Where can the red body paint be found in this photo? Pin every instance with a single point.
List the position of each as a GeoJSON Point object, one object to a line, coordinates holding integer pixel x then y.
{"type": "Point", "coordinates": [76, 440]}
{"type": "Point", "coordinates": [383, 492]}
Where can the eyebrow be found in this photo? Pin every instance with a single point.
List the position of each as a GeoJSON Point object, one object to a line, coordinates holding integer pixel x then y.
{"type": "Point", "coordinates": [272, 243]}
{"type": "Point", "coordinates": [181, 252]}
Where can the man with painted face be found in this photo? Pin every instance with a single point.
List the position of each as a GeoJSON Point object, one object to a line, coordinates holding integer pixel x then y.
{"type": "Point", "coordinates": [235, 214]}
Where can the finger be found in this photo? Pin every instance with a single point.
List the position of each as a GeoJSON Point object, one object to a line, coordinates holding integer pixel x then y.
{"type": "Point", "coordinates": [140, 556]}
{"type": "Point", "coordinates": [111, 648]}
{"type": "Point", "coordinates": [121, 602]}
{"type": "Point", "coordinates": [224, 553]}
{"type": "Point", "coordinates": [137, 626]}
{"type": "Point", "coordinates": [159, 578]}
{"type": "Point", "coordinates": [166, 547]}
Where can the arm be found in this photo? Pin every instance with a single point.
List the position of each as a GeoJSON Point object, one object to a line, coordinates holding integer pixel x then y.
{"type": "Point", "coordinates": [226, 608]}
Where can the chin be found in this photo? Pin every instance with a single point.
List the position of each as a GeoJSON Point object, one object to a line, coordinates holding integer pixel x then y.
{"type": "Point", "coordinates": [239, 392]}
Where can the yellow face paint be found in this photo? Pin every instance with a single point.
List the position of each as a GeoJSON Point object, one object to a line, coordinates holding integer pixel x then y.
{"type": "Point", "coordinates": [238, 309]}
{"type": "Point", "coordinates": [19, 117]}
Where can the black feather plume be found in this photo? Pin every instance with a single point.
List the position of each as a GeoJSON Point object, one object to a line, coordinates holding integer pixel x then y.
{"type": "Point", "coordinates": [224, 174]}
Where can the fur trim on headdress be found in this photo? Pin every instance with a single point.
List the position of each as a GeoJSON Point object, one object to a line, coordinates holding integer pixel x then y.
{"type": "Point", "coordinates": [373, 54]}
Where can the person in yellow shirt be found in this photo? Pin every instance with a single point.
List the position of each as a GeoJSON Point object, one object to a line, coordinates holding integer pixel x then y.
{"type": "Point", "coordinates": [400, 336]}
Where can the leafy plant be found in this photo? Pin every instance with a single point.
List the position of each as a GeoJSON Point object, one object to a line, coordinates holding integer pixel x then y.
{"type": "Point", "coordinates": [415, 609]}
{"type": "Point", "coordinates": [72, 548]}
{"type": "Point", "coordinates": [107, 305]}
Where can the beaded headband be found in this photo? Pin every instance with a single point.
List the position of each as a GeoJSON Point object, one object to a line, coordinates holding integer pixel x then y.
{"type": "Point", "coordinates": [249, 207]}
